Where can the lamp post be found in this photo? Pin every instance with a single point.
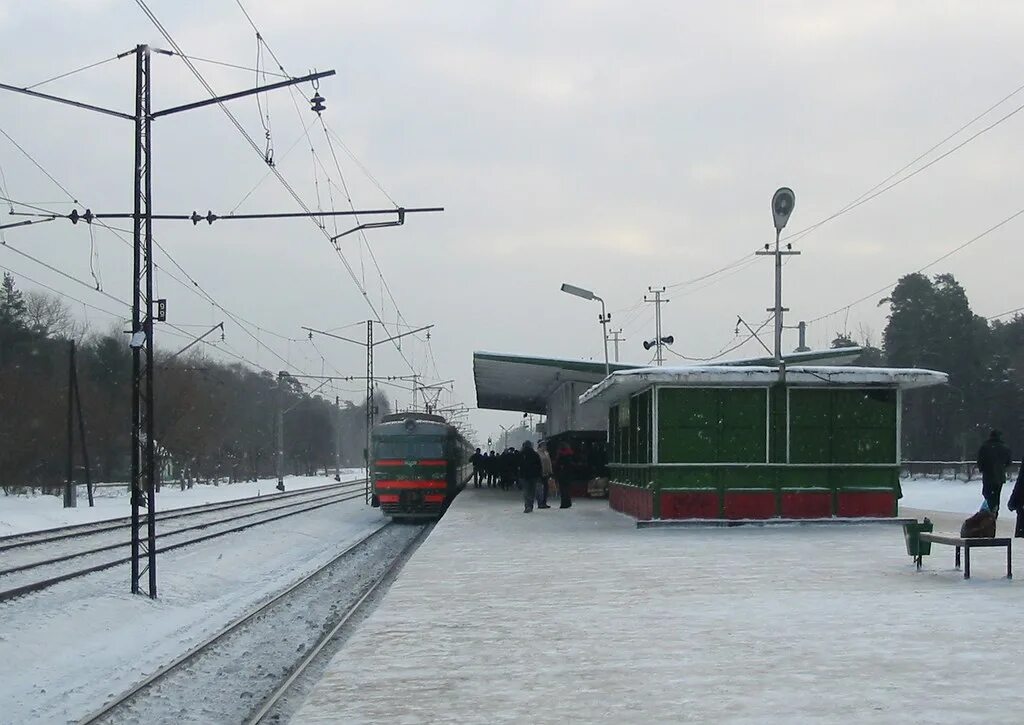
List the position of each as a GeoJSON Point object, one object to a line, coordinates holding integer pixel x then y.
{"type": "Point", "coordinates": [783, 202]}
{"type": "Point", "coordinates": [505, 434]}
{"type": "Point", "coordinates": [604, 318]}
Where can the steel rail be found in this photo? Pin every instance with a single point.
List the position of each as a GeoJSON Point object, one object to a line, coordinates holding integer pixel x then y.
{"type": "Point", "coordinates": [194, 527]}
{"type": "Point", "coordinates": [198, 649]}
{"type": "Point", "coordinates": [47, 583]}
{"type": "Point", "coordinates": [327, 637]}
{"type": "Point", "coordinates": [84, 529]}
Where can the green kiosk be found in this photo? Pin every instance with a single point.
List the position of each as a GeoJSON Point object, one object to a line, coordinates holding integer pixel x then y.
{"type": "Point", "coordinates": [727, 442]}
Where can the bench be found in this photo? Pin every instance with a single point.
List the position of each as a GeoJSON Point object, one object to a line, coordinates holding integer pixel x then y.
{"type": "Point", "coordinates": [967, 543]}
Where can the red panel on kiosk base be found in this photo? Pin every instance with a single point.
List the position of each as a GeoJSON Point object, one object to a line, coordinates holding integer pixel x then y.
{"type": "Point", "coordinates": [689, 505]}
{"type": "Point", "coordinates": [750, 504]}
{"type": "Point", "coordinates": [806, 504]}
{"type": "Point", "coordinates": [635, 502]}
{"type": "Point", "coordinates": [868, 504]}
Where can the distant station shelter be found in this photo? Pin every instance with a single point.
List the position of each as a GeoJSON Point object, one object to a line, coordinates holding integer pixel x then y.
{"type": "Point", "coordinates": [542, 386]}
{"type": "Point", "coordinates": [738, 442]}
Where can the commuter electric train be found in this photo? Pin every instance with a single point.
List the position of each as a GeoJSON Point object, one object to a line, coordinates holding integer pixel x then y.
{"type": "Point", "coordinates": [419, 463]}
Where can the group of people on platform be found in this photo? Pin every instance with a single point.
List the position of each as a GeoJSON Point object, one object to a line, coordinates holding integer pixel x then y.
{"type": "Point", "coordinates": [533, 470]}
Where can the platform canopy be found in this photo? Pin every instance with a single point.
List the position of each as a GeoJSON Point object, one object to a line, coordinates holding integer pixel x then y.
{"type": "Point", "coordinates": [525, 383]}
{"type": "Point", "coordinates": [622, 384]}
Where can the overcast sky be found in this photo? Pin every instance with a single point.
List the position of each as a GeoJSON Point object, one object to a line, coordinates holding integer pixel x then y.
{"type": "Point", "coordinates": [611, 145]}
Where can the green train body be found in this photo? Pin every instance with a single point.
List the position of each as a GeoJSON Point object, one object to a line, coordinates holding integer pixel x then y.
{"type": "Point", "coordinates": [418, 464]}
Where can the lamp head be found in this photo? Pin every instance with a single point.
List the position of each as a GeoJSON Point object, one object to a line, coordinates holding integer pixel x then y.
{"type": "Point", "coordinates": [783, 203]}
{"type": "Point", "coordinates": [578, 291]}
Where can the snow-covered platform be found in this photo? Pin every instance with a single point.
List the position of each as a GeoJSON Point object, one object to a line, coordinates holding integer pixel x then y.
{"type": "Point", "coordinates": [577, 616]}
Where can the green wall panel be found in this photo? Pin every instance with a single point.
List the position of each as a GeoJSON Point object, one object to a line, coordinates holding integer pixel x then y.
{"type": "Point", "coordinates": [711, 425]}
{"type": "Point", "coordinates": [835, 425]}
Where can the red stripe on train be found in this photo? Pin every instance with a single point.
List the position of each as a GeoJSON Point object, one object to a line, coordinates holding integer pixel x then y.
{"type": "Point", "coordinates": [390, 462]}
{"type": "Point", "coordinates": [411, 484]}
{"type": "Point", "coordinates": [388, 498]}
{"type": "Point", "coordinates": [434, 498]}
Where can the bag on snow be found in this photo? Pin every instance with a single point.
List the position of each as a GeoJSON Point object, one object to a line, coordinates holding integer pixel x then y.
{"type": "Point", "coordinates": [979, 525]}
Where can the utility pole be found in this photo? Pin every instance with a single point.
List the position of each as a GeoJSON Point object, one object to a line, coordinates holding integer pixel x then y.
{"type": "Point", "coordinates": [617, 338]}
{"type": "Point", "coordinates": [783, 202]}
{"type": "Point", "coordinates": [604, 318]}
{"type": "Point", "coordinates": [280, 429]}
{"type": "Point", "coordinates": [371, 408]}
{"type": "Point", "coordinates": [70, 492]}
{"type": "Point", "coordinates": [659, 358]}
{"type": "Point", "coordinates": [81, 425]}
{"type": "Point", "coordinates": [143, 478]}
{"type": "Point", "coordinates": [143, 443]}
{"type": "Point", "coordinates": [337, 438]}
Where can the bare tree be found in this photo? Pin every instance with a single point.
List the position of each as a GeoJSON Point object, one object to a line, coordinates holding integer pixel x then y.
{"type": "Point", "coordinates": [49, 316]}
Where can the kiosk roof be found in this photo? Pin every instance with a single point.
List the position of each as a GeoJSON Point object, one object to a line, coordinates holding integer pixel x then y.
{"type": "Point", "coordinates": [523, 383]}
{"type": "Point", "coordinates": [622, 384]}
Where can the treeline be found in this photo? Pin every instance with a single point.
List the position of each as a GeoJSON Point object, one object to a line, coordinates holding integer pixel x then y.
{"type": "Point", "coordinates": [213, 420]}
{"type": "Point", "coordinates": [931, 326]}
{"type": "Point", "coordinates": [218, 421]}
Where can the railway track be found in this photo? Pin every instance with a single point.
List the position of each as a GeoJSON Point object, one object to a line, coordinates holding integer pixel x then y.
{"type": "Point", "coordinates": [36, 574]}
{"type": "Point", "coordinates": [148, 700]}
{"type": "Point", "coordinates": [45, 536]}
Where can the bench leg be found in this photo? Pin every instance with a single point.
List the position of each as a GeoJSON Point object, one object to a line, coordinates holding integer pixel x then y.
{"type": "Point", "coordinates": [967, 562]}
{"type": "Point", "coordinates": [957, 560]}
{"type": "Point", "coordinates": [1009, 561]}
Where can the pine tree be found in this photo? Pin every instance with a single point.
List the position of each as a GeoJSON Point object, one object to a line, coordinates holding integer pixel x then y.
{"type": "Point", "coordinates": [931, 325]}
{"type": "Point", "coordinates": [12, 307]}
{"type": "Point", "coordinates": [13, 322]}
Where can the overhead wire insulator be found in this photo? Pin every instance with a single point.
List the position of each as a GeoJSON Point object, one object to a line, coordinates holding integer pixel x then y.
{"type": "Point", "coordinates": [317, 103]}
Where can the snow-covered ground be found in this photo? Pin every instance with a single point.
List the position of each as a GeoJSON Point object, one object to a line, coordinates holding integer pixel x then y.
{"type": "Point", "coordinates": [577, 616]}
{"type": "Point", "coordinates": [66, 650]}
{"type": "Point", "coordinates": [946, 494]}
{"type": "Point", "coordinates": [19, 514]}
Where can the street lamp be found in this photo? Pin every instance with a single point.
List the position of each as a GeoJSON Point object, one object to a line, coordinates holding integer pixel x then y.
{"type": "Point", "coordinates": [505, 434]}
{"type": "Point", "coordinates": [605, 318]}
{"type": "Point", "coordinates": [783, 203]}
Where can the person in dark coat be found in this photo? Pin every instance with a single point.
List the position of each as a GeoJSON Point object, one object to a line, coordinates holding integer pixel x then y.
{"type": "Point", "coordinates": [530, 470]}
{"type": "Point", "coordinates": [477, 459]}
{"type": "Point", "coordinates": [993, 458]}
{"type": "Point", "coordinates": [1016, 502]}
{"type": "Point", "coordinates": [509, 468]}
{"type": "Point", "coordinates": [501, 468]}
{"type": "Point", "coordinates": [564, 464]}
{"type": "Point", "coordinates": [512, 469]}
{"type": "Point", "coordinates": [492, 469]}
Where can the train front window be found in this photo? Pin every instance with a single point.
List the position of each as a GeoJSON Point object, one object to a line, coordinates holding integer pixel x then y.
{"type": "Point", "coordinates": [410, 449]}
